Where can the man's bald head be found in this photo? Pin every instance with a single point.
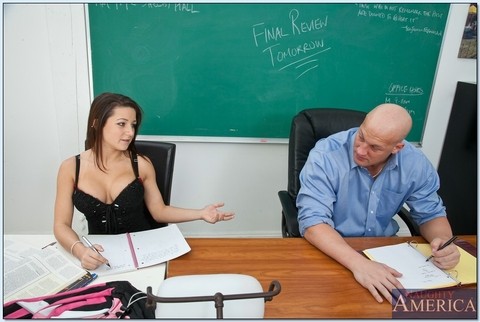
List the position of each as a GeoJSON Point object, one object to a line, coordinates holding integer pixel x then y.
{"type": "Point", "coordinates": [389, 121]}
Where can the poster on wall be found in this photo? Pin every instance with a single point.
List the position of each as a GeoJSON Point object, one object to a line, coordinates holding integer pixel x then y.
{"type": "Point", "coordinates": [468, 46]}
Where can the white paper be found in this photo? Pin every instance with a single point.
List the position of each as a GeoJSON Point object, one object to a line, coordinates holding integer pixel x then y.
{"type": "Point", "coordinates": [417, 273]}
{"type": "Point", "coordinates": [80, 314]}
{"type": "Point", "coordinates": [23, 274]}
{"type": "Point", "coordinates": [159, 245]}
{"type": "Point", "coordinates": [33, 307]}
{"type": "Point", "coordinates": [151, 247]}
{"type": "Point", "coordinates": [116, 251]}
{"type": "Point", "coordinates": [40, 272]}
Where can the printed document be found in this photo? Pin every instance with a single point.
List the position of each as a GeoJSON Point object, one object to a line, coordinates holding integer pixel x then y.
{"type": "Point", "coordinates": [31, 272]}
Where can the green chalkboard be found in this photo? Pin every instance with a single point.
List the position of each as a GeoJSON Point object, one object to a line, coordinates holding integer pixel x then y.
{"type": "Point", "coordinates": [244, 70]}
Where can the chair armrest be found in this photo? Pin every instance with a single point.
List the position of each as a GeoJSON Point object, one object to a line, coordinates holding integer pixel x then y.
{"type": "Point", "coordinates": [289, 215]}
{"type": "Point", "coordinates": [405, 215]}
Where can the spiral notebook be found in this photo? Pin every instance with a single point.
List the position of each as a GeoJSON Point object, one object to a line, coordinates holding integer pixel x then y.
{"type": "Point", "coordinates": [131, 251]}
{"type": "Point", "coordinates": [410, 259]}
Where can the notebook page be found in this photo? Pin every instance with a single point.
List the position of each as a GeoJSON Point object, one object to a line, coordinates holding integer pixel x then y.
{"type": "Point", "coordinates": [465, 271]}
{"type": "Point", "coordinates": [417, 273]}
{"type": "Point", "coordinates": [116, 251]}
{"type": "Point", "coordinates": [158, 245]}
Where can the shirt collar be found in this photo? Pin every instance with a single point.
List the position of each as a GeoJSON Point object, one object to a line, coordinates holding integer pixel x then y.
{"type": "Point", "coordinates": [351, 139]}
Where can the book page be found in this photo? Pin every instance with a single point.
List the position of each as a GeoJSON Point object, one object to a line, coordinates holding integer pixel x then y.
{"type": "Point", "coordinates": [40, 272]}
{"type": "Point", "coordinates": [20, 274]}
{"type": "Point", "coordinates": [63, 267]}
{"type": "Point", "coordinates": [465, 271]}
{"type": "Point", "coordinates": [21, 250]}
{"type": "Point", "coordinates": [158, 245]}
{"type": "Point", "coordinates": [116, 251]}
{"type": "Point", "coordinates": [417, 272]}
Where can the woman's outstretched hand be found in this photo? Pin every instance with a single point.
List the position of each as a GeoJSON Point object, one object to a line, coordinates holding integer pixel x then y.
{"type": "Point", "coordinates": [211, 214]}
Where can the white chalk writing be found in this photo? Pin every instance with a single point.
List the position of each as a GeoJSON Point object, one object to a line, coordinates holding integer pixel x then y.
{"type": "Point", "coordinates": [402, 14]}
{"type": "Point", "coordinates": [176, 7]}
{"type": "Point", "coordinates": [302, 56]}
{"type": "Point", "coordinates": [401, 94]}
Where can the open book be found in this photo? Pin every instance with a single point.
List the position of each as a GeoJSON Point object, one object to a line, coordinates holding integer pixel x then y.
{"type": "Point", "coordinates": [31, 272]}
{"type": "Point", "coordinates": [410, 260]}
{"type": "Point", "coordinates": [130, 251]}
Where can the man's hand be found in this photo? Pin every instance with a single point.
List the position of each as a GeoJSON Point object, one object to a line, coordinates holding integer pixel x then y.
{"type": "Point", "coordinates": [445, 258]}
{"type": "Point", "coordinates": [378, 278]}
{"type": "Point", "coordinates": [437, 232]}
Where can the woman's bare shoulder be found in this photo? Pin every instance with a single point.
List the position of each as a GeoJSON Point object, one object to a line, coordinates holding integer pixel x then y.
{"type": "Point", "coordinates": [143, 159]}
{"type": "Point", "coordinates": [66, 171]}
{"type": "Point", "coordinates": [69, 164]}
{"type": "Point", "coordinates": [145, 165]}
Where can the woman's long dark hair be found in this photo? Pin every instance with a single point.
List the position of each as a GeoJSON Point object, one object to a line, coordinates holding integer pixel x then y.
{"type": "Point", "coordinates": [101, 109]}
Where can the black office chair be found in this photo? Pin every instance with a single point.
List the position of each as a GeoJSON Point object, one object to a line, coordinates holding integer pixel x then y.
{"type": "Point", "coordinates": [307, 128]}
{"type": "Point", "coordinates": [162, 155]}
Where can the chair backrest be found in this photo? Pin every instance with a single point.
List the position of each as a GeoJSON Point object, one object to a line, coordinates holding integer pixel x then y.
{"type": "Point", "coordinates": [184, 287]}
{"type": "Point", "coordinates": [307, 128]}
{"type": "Point", "coordinates": [162, 155]}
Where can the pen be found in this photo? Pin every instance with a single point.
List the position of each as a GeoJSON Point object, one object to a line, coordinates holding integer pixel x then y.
{"type": "Point", "coordinates": [51, 244]}
{"type": "Point", "coordinates": [89, 244]}
{"type": "Point", "coordinates": [451, 240]}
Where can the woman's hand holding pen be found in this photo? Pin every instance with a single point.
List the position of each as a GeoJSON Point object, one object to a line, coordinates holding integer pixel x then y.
{"type": "Point", "coordinates": [444, 257]}
{"type": "Point", "coordinates": [90, 259]}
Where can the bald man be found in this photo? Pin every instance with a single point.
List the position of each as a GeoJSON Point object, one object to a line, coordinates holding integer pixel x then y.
{"type": "Point", "coordinates": [355, 181]}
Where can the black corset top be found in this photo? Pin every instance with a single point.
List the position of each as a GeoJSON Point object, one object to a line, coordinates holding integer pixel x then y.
{"type": "Point", "coordinates": [125, 214]}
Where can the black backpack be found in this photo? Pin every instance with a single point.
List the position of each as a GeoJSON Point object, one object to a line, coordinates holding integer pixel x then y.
{"type": "Point", "coordinates": [117, 299]}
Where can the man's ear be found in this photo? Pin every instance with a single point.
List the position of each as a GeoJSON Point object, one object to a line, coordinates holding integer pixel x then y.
{"type": "Point", "coordinates": [398, 147]}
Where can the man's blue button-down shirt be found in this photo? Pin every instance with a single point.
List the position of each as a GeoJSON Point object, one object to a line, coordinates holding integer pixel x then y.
{"type": "Point", "coordinates": [336, 191]}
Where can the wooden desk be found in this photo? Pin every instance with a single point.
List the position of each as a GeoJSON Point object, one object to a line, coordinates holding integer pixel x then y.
{"type": "Point", "coordinates": [313, 284]}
